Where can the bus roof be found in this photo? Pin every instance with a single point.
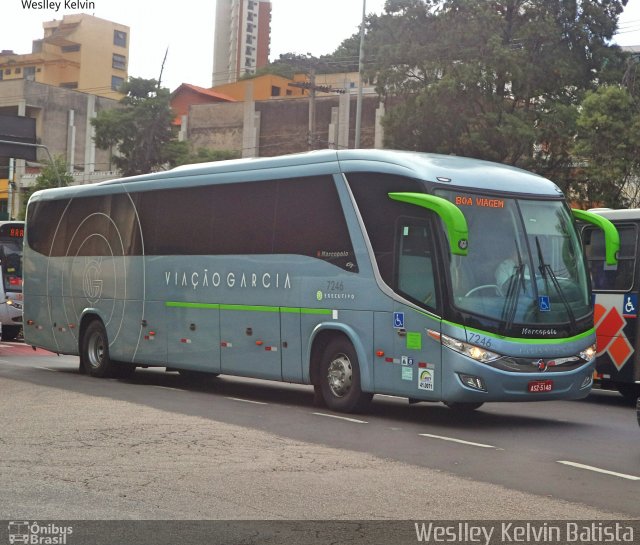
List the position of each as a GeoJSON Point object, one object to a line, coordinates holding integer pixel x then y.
{"type": "Point", "coordinates": [441, 170]}
{"type": "Point", "coordinates": [612, 214]}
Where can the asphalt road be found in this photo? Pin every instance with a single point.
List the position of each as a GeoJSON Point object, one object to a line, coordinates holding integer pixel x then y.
{"type": "Point", "coordinates": [158, 447]}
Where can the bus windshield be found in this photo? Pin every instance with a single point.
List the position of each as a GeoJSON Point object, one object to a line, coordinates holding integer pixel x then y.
{"type": "Point", "coordinates": [524, 264]}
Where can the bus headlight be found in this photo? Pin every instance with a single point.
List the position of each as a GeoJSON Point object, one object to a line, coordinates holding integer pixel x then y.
{"type": "Point", "coordinates": [588, 353]}
{"type": "Point", "coordinates": [474, 352]}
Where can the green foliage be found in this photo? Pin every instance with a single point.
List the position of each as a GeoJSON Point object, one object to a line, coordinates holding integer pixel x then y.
{"type": "Point", "coordinates": [184, 156]}
{"type": "Point", "coordinates": [608, 145]}
{"type": "Point", "coordinates": [53, 174]}
{"type": "Point", "coordinates": [499, 80]}
{"type": "Point", "coordinates": [140, 130]}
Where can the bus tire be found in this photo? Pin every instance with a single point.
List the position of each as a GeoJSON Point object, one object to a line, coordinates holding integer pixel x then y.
{"type": "Point", "coordinates": [10, 332]}
{"type": "Point", "coordinates": [630, 392]}
{"type": "Point", "coordinates": [463, 407]}
{"type": "Point", "coordinates": [339, 378]}
{"type": "Point", "coordinates": [94, 352]}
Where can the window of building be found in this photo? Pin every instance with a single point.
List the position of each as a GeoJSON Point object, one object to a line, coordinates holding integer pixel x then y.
{"type": "Point", "coordinates": [119, 62]}
{"type": "Point", "coordinates": [69, 85]}
{"type": "Point", "coordinates": [70, 48]}
{"type": "Point", "coordinates": [275, 91]}
{"type": "Point", "coordinates": [250, 27]}
{"type": "Point", "coordinates": [30, 73]}
{"type": "Point", "coordinates": [1, 75]}
{"type": "Point", "coordinates": [18, 70]}
{"type": "Point", "coordinates": [119, 38]}
{"type": "Point", "coordinates": [8, 71]}
{"type": "Point", "coordinates": [288, 92]}
{"type": "Point", "coordinates": [116, 83]}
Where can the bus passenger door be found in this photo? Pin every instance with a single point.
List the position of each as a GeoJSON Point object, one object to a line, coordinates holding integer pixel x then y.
{"type": "Point", "coordinates": [250, 341]}
{"type": "Point", "coordinates": [412, 362]}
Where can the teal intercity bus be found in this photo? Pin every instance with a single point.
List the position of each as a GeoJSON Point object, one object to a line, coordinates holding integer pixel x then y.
{"type": "Point", "coordinates": [360, 272]}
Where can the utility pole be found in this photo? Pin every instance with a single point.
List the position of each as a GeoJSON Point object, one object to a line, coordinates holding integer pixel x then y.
{"type": "Point", "coordinates": [311, 140]}
{"type": "Point", "coordinates": [360, 77]}
{"type": "Point", "coordinates": [312, 88]}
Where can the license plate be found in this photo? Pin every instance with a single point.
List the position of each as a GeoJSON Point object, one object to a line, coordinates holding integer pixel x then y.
{"type": "Point", "coordinates": [536, 386]}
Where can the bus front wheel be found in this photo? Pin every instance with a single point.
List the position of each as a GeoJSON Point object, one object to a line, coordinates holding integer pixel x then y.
{"type": "Point", "coordinates": [339, 380]}
{"type": "Point", "coordinates": [94, 355]}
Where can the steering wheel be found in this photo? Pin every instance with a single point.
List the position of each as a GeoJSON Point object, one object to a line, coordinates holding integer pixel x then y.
{"type": "Point", "coordinates": [494, 287]}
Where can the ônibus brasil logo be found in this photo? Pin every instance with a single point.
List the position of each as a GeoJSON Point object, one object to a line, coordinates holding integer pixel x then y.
{"type": "Point", "coordinates": [32, 533]}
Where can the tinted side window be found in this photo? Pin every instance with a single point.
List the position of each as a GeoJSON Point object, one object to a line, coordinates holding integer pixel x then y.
{"type": "Point", "coordinates": [42, 221]}
{"type": "Point", "coordinates": [611, 278]}
{"type": "Point", "coordinates": [310, 221]}
{"type": "Point", "coordinates": [301, 216]}
{"type": "Point", "coordinates": [86, 226]}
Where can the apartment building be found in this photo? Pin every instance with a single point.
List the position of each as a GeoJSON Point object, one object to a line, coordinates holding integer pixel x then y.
{"type": "Point", "coordinates": [79, 52]}
{"type": "Point", "coordinates": [242, 38]}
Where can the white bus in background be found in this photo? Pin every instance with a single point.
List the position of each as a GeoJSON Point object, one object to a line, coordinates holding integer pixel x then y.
{"type": "Point", "coordinates": [11, 236]}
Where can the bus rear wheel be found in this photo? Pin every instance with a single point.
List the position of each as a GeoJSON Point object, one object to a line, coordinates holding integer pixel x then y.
{"type": "Point", "coordinates": [94, 352]}
{"type": "Point", "coordinates": [339, 380]}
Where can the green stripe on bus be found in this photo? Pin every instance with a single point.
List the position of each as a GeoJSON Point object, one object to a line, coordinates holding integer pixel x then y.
{"type": "Point", "coordinates": [248, 308]}
{"type": "Point", "coordinates": [523, 340]}
{"type": "Point", "coordinates": [177, 304]}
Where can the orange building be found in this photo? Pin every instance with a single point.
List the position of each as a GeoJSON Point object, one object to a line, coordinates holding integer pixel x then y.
{"type": "Point", "coordinates": [188, 95]}
{"type": "Point", "coordinates": [263, 88]}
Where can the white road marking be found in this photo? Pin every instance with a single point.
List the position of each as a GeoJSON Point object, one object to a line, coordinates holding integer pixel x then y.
{"type": "Point", "coordinates": [599, 470]}
{"type": "Point", "coordinates": [454, 440]}
{"type": "Point", "coordinates": [347, 419]}
{"type": "Point", "coordinates": [246, 400]}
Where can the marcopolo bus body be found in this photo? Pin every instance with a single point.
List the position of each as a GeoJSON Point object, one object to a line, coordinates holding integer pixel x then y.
{"type": "Point", "coordinates": [616, 290]}
{"type": "Point", "coordinates": [431, 277]}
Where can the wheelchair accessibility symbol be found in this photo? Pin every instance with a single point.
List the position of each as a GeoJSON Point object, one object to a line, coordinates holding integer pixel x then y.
{"type": "Point", "coordinates": [630, 306]}
{"type": "Point", "coordinates": [398, 320]}
{"type": "Point", "coordinates": [544, 304]}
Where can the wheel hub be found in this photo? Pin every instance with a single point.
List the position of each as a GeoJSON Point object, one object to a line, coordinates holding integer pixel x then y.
{"type": "Point", "coordinates": [340, 375]}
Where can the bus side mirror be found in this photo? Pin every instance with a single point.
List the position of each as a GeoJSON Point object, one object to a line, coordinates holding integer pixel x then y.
{"type": "Point", "coordinates": [449, 213]}
{"type": "Point", "coordinates": [611, 235]}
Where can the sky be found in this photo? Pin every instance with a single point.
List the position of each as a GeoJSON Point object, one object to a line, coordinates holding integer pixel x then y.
{"type": "Point", "coordinates": [185, 28]}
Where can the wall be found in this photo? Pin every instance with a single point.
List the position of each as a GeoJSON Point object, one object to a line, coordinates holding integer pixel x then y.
{"type": "Point", "coordinates": [282, 126]}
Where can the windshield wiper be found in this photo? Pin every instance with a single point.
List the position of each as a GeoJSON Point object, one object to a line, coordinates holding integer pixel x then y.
{"type": "Point", "coordinates": [513, 293]}
{"type": "Point", "coordinates": [547, 271]}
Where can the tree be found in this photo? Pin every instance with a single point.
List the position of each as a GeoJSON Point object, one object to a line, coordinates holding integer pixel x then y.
{"type": "Point", "coordinates": [140, 130]}
{"type": "Point", "coordinates": [608, 148]}
{"type": "Point", "coordinates": [496, 80]}
{"type": "Point", "coordinates": [53, 174]}
{"type": "Point", "coordinates": [184, 156]}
